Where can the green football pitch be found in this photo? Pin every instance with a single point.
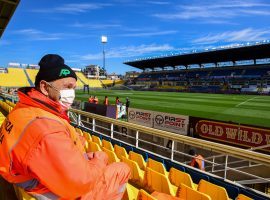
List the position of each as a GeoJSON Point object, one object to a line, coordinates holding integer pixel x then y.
{"type": "Point", "coordinates": [244, 109]}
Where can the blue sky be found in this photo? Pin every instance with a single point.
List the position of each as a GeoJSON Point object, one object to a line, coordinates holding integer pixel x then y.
{"type": "Point", "coordinates": [135, 29]}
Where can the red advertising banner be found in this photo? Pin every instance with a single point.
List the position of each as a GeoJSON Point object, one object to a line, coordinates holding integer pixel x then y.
{"type": "Point", "coordinates": [233, 133]}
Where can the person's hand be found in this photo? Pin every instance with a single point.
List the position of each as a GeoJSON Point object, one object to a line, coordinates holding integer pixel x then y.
{"type": "Point", "coordinates": [102, 156]}
{"type": "Point", "coordinates": [90, 155]}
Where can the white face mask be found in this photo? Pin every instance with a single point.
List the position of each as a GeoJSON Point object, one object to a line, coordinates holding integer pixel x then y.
{"type": "Point", "coordinates": [67, 97]}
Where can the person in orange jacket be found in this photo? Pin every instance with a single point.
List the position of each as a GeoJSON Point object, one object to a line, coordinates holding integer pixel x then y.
{"type": "Point", "coordinates": [106, 101]}
{"type": "Point", "coordinates": [197, 160]}
{"type": "Point", "coordinates": [95, 101]}
{"type": "Point", "coordinates": [42, 153]}
{"type": "Point", "coordinates": [91, 99]}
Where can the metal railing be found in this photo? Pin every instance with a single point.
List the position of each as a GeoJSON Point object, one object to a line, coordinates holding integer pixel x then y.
{"type": "Point", "coordinates": [137, 134]}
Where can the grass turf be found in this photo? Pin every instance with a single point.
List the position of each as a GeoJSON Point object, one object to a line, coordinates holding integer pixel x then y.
{"type": "Point", "coordinates": [245, 109]}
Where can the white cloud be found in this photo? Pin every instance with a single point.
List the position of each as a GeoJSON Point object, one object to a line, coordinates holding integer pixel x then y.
{"type": "Point", "coordinates": [73, 8]}
{"type": "Point", "coordinates": [95, 26]}
{"type": "Point", "coordinates": [129, 51]}
{"type": "Point", "coordinates": [147, 34]}
{"type": "Point", "coordinates": [222, 10]}
{"type": "Point", "coordinates": [158, 2]}
{"type": "Point", "coordinates": [245, 35]}
{"type": "Point", "coordinates": [34, 34]}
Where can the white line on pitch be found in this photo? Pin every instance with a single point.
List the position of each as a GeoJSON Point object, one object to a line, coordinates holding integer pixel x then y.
{"type": "Point", "coordinates": [245, 101]}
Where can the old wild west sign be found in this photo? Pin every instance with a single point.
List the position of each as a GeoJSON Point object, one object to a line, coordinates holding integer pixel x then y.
{"type": "Point", "coordinates": [233, 133]}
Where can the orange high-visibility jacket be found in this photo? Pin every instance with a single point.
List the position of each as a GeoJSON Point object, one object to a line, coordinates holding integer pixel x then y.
{"type": "Point", "coordinates": [198, 162]}
{"type": "Point", "coordinates": [40, 151]}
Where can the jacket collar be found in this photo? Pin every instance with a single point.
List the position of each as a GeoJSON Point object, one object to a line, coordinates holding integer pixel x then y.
{"type": "Point", "coordinates": [32, 97]}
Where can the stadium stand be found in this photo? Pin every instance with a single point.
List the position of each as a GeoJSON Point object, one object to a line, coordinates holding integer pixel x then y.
{"type": "Point", "coordinates": [93, 83]}
{"type": "Point", "coordinates": [32, 74]}
{"type": "Point", "coordinates": [14, 78]}
{"type": "Point", "coordinates": [234, 77]}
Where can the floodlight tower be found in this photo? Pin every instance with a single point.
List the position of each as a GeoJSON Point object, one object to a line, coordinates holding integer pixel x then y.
{"type": "Point", "coordinates": [104, 40]}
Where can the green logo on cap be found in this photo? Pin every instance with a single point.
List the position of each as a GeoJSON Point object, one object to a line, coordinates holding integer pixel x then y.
{"type": "Point", "coordinates": [64, 72]}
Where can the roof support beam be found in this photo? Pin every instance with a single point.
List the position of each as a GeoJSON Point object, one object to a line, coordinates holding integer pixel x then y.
{"type": "Point", "coordinates": [10, 2]}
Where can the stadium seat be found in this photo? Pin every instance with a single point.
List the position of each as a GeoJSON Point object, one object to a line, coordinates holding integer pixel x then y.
{"type": "Point", "coordinates": [127, 147]}
{"type": "Point", "coordinates": [142, 195]}
{"type": "Point", "coordinates": [87, 136]}
{"type": "Point", "coordinates": [138, 158]}
{"type": "Point", "coordinates": [187, 193]}
{"type": "Point", "coordinates": [108, 145]}
{"type": "Point", "coordinates": [156, 158]}
{"type": "Point", "coordinates": [137, 175]}
{"type": "Point", "coordinates": [242, 197]}
{"type": "Point", "coordinates": [79, 131]}
{"type": "Point", "coordinates": [131, 193]}
{"type": "Point", "coordinates": [93, 147]}
{"type": "Point", "coordinates": [156, 181]}
{"type": "Point", "coordinates": [251, 194]}
{"type": "Point", "coordinates": [143, 153]}
{"type": "Point", "coordinates": [22, 195]}
{"type": "Point", "coordinates": [197, 176]}
{"type": "Point", "coordinates": [178, 177]}
{"type": "Point", "coordinates": [214, 191]}
{"type": "Point", "coordinates": [97, 140]}
{"type": "Point", "coordinates": [111, 155]}
{"type": "Point", "coordinates": [171, 164]}
{"type": "Point", "coordinates": [115, 142]}
{"type": "Point", "coordinates": [232, 190]}
{"type": "Point", "coordinates": [120, 151]}
{"type": "Point", "coordinates": [157, 166]}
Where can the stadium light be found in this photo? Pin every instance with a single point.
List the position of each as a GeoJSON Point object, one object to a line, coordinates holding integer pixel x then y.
{"type": "Point", "coordinates": [104, 40]}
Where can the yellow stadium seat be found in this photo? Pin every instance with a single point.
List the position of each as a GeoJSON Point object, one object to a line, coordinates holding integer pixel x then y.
{"type": "Point", "coordinates": [93, 147]}
{"type": "Point", "coordinates": [120, 151]}
{"type": "Point", "coordinates": [138, 158]}
{"type": "Point", "coordinates": [87, 136]}
{"type": "Point", "coordinates": [22, 195]}
{"type": "Point", "coordinates": [142, 195]}
{"type": "Point", "coordinates": [108, 145]}
{"type": "Point", "coordinates": [131, 193]}
{"type": "Point", "coordinates": [111, 155]}
{"type": "Point", "coordinates": [156, 181]}
{"type": "Point", "coordinates": [242, 197]}
{"type": "Point", "coordinates": [97, 140]}
{"type": "Point", "coordinates": [137, 175]}
{"type": "Point", "coordinates": [214, 191]}
{"type": "Point", "coordinates": [187, 193]}
{"type": "Point", "coordinates": [157, 166]}
{"type": "Point", "coordinates": [79, 131]}
{"type": "Point", "coordinates": [178, 177]}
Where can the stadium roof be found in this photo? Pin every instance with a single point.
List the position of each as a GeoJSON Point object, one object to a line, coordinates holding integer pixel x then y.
{"type": "Point", "coordinates": [258, 51]}
{"type": "Point", "coordinates": [7, 8]}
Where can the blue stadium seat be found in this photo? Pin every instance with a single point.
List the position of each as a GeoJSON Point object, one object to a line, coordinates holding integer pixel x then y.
{"type": "Point", "coordinates": [197, 176]}
{"type": "Point", "coordinates": [232, 190]}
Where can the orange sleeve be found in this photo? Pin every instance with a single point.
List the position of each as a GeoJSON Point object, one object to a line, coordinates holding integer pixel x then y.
{"type": "Point", "coordinates": [59, 165]}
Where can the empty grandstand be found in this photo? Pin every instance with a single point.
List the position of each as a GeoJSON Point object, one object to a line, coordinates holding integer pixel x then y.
{"type": "Point", "coordinates": [235, 77]}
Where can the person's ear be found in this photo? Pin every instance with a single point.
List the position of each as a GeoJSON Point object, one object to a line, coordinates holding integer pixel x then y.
{"type": "Point", "coordinates": [44, 88]}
